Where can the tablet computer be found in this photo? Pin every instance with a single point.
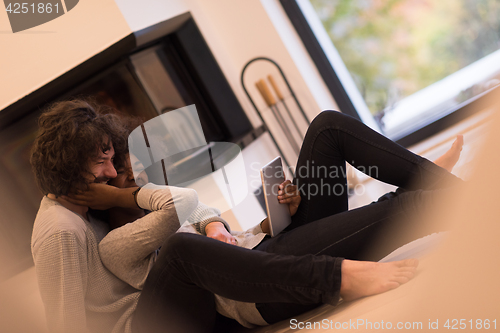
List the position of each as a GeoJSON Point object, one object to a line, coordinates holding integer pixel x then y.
{"type": "Point", "coordinates": [279, 214]}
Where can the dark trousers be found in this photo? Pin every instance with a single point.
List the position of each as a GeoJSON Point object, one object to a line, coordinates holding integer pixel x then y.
{"type": "Point", "coordinates": [301, 267]}
{"type": "Point", "coordinates": [324, 226]}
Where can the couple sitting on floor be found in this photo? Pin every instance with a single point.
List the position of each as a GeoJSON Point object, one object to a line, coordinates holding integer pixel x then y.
{"type": "Point", "coordinates": [176, 267]}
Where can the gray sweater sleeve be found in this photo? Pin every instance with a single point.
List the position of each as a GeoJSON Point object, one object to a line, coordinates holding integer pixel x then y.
{"type": "Point", "coordinates": [203, 215]}
{"type": "Point", "coordinates": [129, 251]}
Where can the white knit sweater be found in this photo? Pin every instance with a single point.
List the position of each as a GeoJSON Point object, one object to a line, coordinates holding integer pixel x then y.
{"type": "Point", "coordinates": [79, 294]}
{"type": "Point", "coordinates": [90, 279]}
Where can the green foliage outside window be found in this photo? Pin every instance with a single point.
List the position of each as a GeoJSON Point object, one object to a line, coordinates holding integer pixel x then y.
{"type": "Point", "coordinates": [394, 48]}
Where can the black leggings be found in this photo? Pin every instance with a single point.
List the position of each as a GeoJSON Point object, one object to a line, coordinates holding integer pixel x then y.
{"type": "Point", "coordinates": [300, 268]}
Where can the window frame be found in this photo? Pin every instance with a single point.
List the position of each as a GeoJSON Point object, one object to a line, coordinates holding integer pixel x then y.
{"type": "Point", "coordinates": [345, 103]}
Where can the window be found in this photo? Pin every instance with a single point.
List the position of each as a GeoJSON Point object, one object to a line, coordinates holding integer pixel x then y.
{"type": "Point", "coordinates": [407, 63]}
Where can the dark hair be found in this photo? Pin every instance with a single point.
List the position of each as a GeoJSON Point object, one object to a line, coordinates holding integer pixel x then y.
{"type": "Point", "coordinates": [71, 134]}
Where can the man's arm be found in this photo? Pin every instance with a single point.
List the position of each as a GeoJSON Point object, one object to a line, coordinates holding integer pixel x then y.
{"type": "Point", "coordinates": [61, 269]}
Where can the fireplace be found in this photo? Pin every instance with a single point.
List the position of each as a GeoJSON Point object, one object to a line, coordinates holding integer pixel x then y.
{"type": "Point", "coordinates": [146, 74]}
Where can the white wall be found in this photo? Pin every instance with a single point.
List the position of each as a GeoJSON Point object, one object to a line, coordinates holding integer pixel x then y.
{"type": "Point", "coordinates": [237, 31]}
{"type": "Point", "coordinates": [34, 57]}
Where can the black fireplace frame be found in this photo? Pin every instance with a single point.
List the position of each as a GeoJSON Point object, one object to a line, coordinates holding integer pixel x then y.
{"type": "Point", "coordinates": [198, 62]}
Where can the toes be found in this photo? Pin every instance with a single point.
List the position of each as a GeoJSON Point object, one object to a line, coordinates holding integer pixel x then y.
{"type": "Point", "coordinates": [407, 263]}
{"type": "Point", "coordinates": [411, 262]}
{"type": "Point", "coordinates": [407, 271]}
{"type": "Point", "coordinates": [401, 279]}
{"type": "Point", "coordinates": [408, 274]}
{"type": "Point", "coordinates": [392, 285]}
{"type": "Point", "coordinates": [459, 142]}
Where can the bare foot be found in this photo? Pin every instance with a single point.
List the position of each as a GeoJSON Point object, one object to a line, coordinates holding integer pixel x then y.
{"type": "Point", "coordinates": [450, 158]}
{"type": "Point", "coordinates": [365, 278]}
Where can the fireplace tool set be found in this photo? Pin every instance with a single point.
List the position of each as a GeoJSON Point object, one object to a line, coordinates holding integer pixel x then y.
{"type": "Point", "coordinates": [279, 107]}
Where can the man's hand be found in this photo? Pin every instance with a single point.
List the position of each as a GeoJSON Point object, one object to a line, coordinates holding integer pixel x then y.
{"type": "Point", "coordinates": [216, 230]}
{"type": "Point", "coordinates": [289, 194]}
{"type": "Point", "coordinates": [102, 197]}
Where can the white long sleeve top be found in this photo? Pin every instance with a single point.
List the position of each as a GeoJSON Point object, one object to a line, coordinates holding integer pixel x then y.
{"type": "Point", "coordinates": [90, 278]}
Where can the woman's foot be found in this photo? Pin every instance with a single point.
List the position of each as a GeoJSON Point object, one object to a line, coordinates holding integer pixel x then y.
{"type": "Point", "coordinates": [450, 158]}
{"type": "Point", "coordinates": [365, 278]}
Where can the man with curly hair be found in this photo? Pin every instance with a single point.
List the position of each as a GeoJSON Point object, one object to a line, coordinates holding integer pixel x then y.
{"type": "Point", "coordinates": [76, 150]}
{"type": "Point", "coordinates": [76, 145]}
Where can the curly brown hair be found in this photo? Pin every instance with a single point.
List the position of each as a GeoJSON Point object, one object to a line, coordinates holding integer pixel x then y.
{"type": "Point", "coordinates": [71, 134]}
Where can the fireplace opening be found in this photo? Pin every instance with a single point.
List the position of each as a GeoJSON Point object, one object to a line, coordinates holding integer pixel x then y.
{"type": "Point", "coordinates": [144, 75]}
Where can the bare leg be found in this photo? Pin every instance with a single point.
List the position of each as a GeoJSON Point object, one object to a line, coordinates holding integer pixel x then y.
{"type": "Point", "coordinates": [450, 158]}
{"type": "Point", "coordinates": [365, 278]}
